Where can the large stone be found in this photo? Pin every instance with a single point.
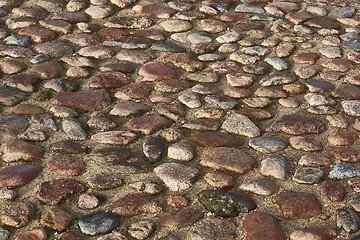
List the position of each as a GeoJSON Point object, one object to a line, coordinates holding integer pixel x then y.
{"type": "Point", "coordinates": [157, 72]}
{"type": "Point", "coordinates": [16, 214]}
{"type": "Point", "coordinates": [56, 218]}
{"type": "Point", "coordinates": [18, 175]}
{"type": "Point", "coordinates": [213, 229]}
{"type": "Point", "coordinates": [148, 124]}
{"type": "Point", "coordinates": [215, 139]}
{"type": "Point", "coordinates": [20, 150]}
{"type": "Point", "coordinates": [226, 158]}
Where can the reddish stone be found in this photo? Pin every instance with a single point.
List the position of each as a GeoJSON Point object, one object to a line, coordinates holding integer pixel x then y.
{"type": "Point", "coordinates": [202, 124]}
{"type": "Point", "coordinates": [69, 235]}
{"type": "Point", "coordinates": [286, 7]}
{"type": "Point", "coordinates": [92, 100]}
{"type": "Point", "coordinates": [335, 191]}
{"type": "Point", "coordinates": [298, 17]}
{"type": "Point", "coordinates": [109, 80]}
{"type": "Point", "coordinates": [134, 91]}
{"type": "Point", "coordinates": [23, 81]}
{"type": "Point", "coordinates": [18, 175]}
{"type": "Point", "coordinates": [340, 65]}
{"type": "Point", "coordinates": [16, 150]}
{"type": "Point", "coordinates": [72, 17]}
{"type": "Point", "coordinates": [306, 58]}
{"type": "Point", "coordinates": [97, 52]}
{"type": "Point", "coordinates": [31, 12]}
{"type": "Point", "coordinates": [16, 214]}
{"type": "Point", "coordinates": [154, 10]}
{"type": "Point", "coordinates": [345, 154]}
{"type": "Point", "coordinates": [298, 205]}
{"type": "Point", "coordinates": [354, 56]}
{"type": "Point", "coordinates": [48, 70]}
{"type": "Point", "coordinates": [114, 137]}
{"type": "Point", "coordinates": [182, 218]}
{"type": "Point", "coordinates": [332, 76]}
{"type": "Point", "coordinates": [297, 125]}
{"type": "Point", "coordinates": [233, 17]}
{"type": "Point", "coordinates": [176, 201]}
{"type": "Point", "coordinates": [38, 34]}
{"type": "Point", "coordinates": [184, 61]}
{"type": "Point", "coordinates": [80, 39]}
{"type": "Point", "coordinates": [56, 218]}
{"type": "Point", "coordinates": [129, 22]}
{"type": "Point", "coordinates": [255, 222]}
{"type": "Point", "coordinates": [225, 4]}
{"type": "Point", "coordinates": [65, 165]}
{"type": "Point", "coordinates": [152, 34]}
{"type": "Point", "coordinates": [322, 22]}
{"type": "Point", "coordinates": [133, 205]}
{"type": "Point", "coordinates": [315, 160]}
{"type": "Point", "coordinates": [254, 113]}
{"type": "Point", "coordinates": [225, 67]}
{"type": "Point", "coordinates": [214, 139]}
{"type": "Point", "coordinates": [11, 66]}
{"type": "Point", "coordinates": [342, 138]}
{"type": "Point", "coordinates": [174, 112]}
{"type": "Point", "coordinates": [67, 146]}
{"type": "Point", "coordinates": [111, 33]}
{"type": "Point", "coordinates": [321, 233]}
{"type": "Point", "coordinates": [35, 234]}
{"type": "Point", "coordinates": [60, 26]}
{"type": "Point", "coordinates": [148, 124]}
{"type": "Point", "coordinates": [157, 72]}
{"type": "Point", "coordinates": [54, 191]}
{"type": "Point", "coordinates": [190, 15]}
{"type": "Point", "coordinates": [319, 86]}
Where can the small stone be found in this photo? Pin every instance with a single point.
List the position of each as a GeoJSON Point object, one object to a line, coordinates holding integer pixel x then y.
{"type": "Point", "coordinates": [73, 129]}
{"type": "Point", "coordinates": [307, 144]}
{"type": "Point", "coordinates": [218, 179]}
{"type": "Point", "coordinates": [354, 201]}
{"type": "Point", "coordinates": [87, 201]}
{"type": "Point", "coordinates": [255, 221]}
{"type": "Point", "coordinates": [18, 175]}
{"type": "Point", "coordinates": [114, 137]}
{"type": "Point", "coordinates": [141, 230]}
{"type": "Point", "coordinates": [98, 222]}
{"type": "Point", "coordinates": [226, 204]}
{"type": "Point", "coordinates": [17, 40]}
{"type": "Point", "coordinates": [335, 191]}
{"type": "Point", "coordinates": [315, 160]}
{"type": "Point", "coordinates": [213, 228]}
{"type": "Point", "coordinates": [177, 177]}
{"type": "Point", "coordinates": [148, 124]}
{"type": "Point", "coordinates": [263, 186]}
{"type": "Point", "coordinates": [305, 72]}
{"type": "Point", "coordinates": [241, 125]}
{"type": "Point", "coordinates": [298, 205]}
{"type": "Point", "coordinates": [257, 102]}
{"type": "Point", "coordinates": [181, 151]}
{"type": "Point", "coordinates": [153, 148]}
{"type": "Point", "coordinates": [347, 219]}
{"type": "Point", "coordinates": [212, 25]}
{"type": "Point", "coordinates": [182, 218]}
{"type": "Point", "coordinates": [344, 171]}
{"type": "Point", "coordinates": [313, 233]}
{"type": "Point", "coordinates": [267, 144]}
{"type": "Point", "coordinates": [146, 187]}
{"type": "Point", "coordinates": [56, 218]}
{"type": "Point", "coordinates": [275, 80]}
{"type": "Point", "coordinates": [275, 166]}
{"type": "Point", "coordinates": [16, 214]}
{"type": "Point", "coordinates": [308, 175]}
{"type": "Point", "coordinates": [351, 107]}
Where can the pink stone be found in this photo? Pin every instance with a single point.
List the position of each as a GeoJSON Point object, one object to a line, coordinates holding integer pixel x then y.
{"type": "Point", "coordinates": [114, 137]}
{"type": "Point", "coordinates": [109, 80]}
{"type": "Point", "coordinates": [148, 124]}
{"type": "Point", "coordinates": [340, 65]}
{"type": "Point", "coordinates": [335, 191]}
{"type": "Point", "coordinates": [286, 7]}
{"type": "Point", "coordinates": [157, 72]}
{"type": "Point", "coordinates": [66, 165]}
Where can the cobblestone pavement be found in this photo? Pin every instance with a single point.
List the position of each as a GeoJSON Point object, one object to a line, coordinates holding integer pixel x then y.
{"type": "Point", "coordinates": [199, 120]}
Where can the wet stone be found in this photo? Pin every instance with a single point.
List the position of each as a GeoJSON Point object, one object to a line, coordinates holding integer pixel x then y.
{"type": "Point", "coordinates": [153, 148]}
{"type": "Point", "coordinates": [17, 150]}
{"type": "Point", "coordinates": [241, 125]}
{"type": "Point", "coordinates": [17, 214]}
{"type": "Point", "coordinates": [18, 175]}
{"type": "Point", "coordinates": [275, 166]}
{"type": "Point", "coordinates": [344, 171]}
{"type": "Point", "coordinates": [148, 124]}
{"type": "Point", "coordinates": [256, 221]}
{"type": "Point", "coordinates": [176, 177]}
{"type": "Point", "coordinates": [52, 192]}
{"type": "Point", "coordinates": [133, 205]}
{"type": "Point", "coordinates": [347, 219]}
{"type": "Point", "coordinates": [98, 222]}
{"type": "Point", "coordinates": [182, 218]}
{"type": "Point", "coordinates": [66, 165]}
{"type": "Point", "coordinates": [56, 218]}
{"type": "Point", "coordinates": [334, 190]}
{"type": "Point", "coordinates": [305, 143]}
{"type": "Point", "coordinates": [267, 144]}
{"type": "Point", "coordinates": [213, 228]}
{"type": "Point", "coordinates": [226, 204]}
{"type": "Point", "coordinates": [298, 205]}
{"type": "Point", "coordinates": [226, 158]}
{"type": "Point", "coordinates": [213, 139]}
{"type": "Point", "coordinates": [181, 151]}
{"type": "Point", "coordinates": [308, 175]}
{"type": "Point", "coordinates": [262, 186]}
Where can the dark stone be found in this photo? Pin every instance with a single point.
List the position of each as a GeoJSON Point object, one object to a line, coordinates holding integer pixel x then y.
{"type": "Point", "coordinates": [98, 222]}
{"type": "Point", "coordinates": [18, 175]}
{"type": "Point", "coordinates": [153, 148]}
{"type": "Point", "coordinates": [182, 218]}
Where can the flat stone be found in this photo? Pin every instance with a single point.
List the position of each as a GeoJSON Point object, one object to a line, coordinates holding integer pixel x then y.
{"type": "Point", "coordinates": [339, 65]}
{"type": "Point", "coordinates": [97, 52]}
{"type": "Point", "coordinates": [226, 204]}
{"type": "Point", "coordinates": [190, 100]}
{"type": "Point", "coordinates": [18, 175]}
{"type": "Point", "coordinates": [345, 154]}
{"type": "Point", "coordinates": [67, 146]}
{"type": "Point", "coordinates": [277, 63]}
{"type": "Point", "coordinates": [10, 96]}
{"type": "Point", "coordinates": [17, 150]}
{"type": "Point", "coordinates": [347, 219]}
{"type": "Point", "coordinates": [305, 143]}
{"type": "Point", "coordinates": [267, 144]}
{"type": "Point", "coordinates": [173, 25]}
{"type": "Point", "coordinates": [153, 148]}
{"type": "Point", "coordinates": [297, 125]}
{"type": "Point", "coordinates": [177, 177]}
{"type": "Point", "coordinates": [72, 17]}
{"type": "Point", "coordinates": [226, 158]}
{"type": "Point", "coordinates": [148, 124]}
{"type": "Point", "coordinates": [275, 166]}
{"type": "Point", "coordinates": [103, 181]}
{"type": "Point", "coordinates": [342, 138]}
{"type": "Point", "coordinates": [182, 218]}
{"type": "Point", "coordinates": [276, 80]}
{"type": "Point", "coordinates": [305, 72]}
{"type": "Point", "coordinates": [213, 139]}
{"type": "Point", "coordinates": [306, 58]}
{"type": "Point", "coordinates": [286, 7]}
{"type": "Point", "coordinates": [298, 205]}
{"type": "Point", "coordinates": [308, 175]}
{"type": "Point", "coordinates": [87, 201]}
{"type": "Point", "coordinates": [334, 190]}
{"type": "Point", "coordinates": [12, 66]}
{"type": "Point", "coordinates": [318, 100]}
{"type": "Point", "coordinates": [347, 91]}
{"type": "Point", "coordinates": [129, 22]}
{"type": "Point", "coordinates": [114, 137]}
{"type": "Point", "coordinates": [13, 125]}
{"type": "Point", "coordinates": [80, 39]}
{"type": "Point", "coordinates": [322, 23]}
{"type": "Point", "coordinates": [98, 222]}
{"type": "Point", "coordinates": [313, 233]}
{"type": "Point", "coordinates": [241, 125]}
{"type": "Point", "coordinates": [351, 107]}
{"type": "Point", "coordinates": [157, 72]}
{"type": "Point", "coordinates": [218, 179]}
{"type": "Point", "coordinates": [52, 192]}
{"type": "Point", "coordinates": [48, 70]}
{"type": "Point", "coordinates": [181, 151]}
{"type": "Point", "coordinates": [56, 218]}
{"type": "Point", "coordinates": [344, 171]}
{"type": "Point", "coordinates": [212, 25]}
{"type": "Point", "coordinates": [17, 40]}
{"type": "Point", "coordinates": [109, 80]}
{"type": "Point", "coordinates": [256, 220]}
{"type": "Point", "coordinates": [212, 228]}
{"type": "Point", "coordinates": [16, 214]}
{"type": "Point", "coordinates": [38, 34]}
{"type": "Point", "coordinates": [354, 202]}
{"type": "Point", "coordinates": [66, 165]}
{"type": "Point", "coordinates": [133, 205]}
{"type": "Point", "coordinates": [101, 122]}
{"type": "Point", "coordinates": [262, 186]}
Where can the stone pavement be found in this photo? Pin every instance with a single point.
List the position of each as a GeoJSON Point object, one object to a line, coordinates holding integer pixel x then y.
{"type": "Point", "coordinates": [199, 120]}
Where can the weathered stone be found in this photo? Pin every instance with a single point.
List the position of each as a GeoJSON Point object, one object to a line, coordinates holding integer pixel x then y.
{"type": "Point", "coordinates": [16, 214]}
{"type": "Point", "coordinates": [98, 222]}
{"type": "Point", "coordinates": [148, 124]}
{"type": "Point", "coordinates": [212, 229]}
{"type": "Point", "coordinates": [308, 175]}
{"type": "Point", "coordinates": [66, 165]}
{"type": "Point", "coordinates": [114, 137]}
{"type": "Point", "coordinates": [20, 150]}
{"type": "Point", "coordinates": [210, 139]}
{"type": "Point", "coordinates": [18, 175]}
{"type": "Point", "coordinates": [56, 218]}
{"type": "Point", "coordinates": [275, 166]}
{"type": "Point", "coordinates": [157, 72]}
{"type": "Point", "coordinates": [153, 148]}
{"type": "Point", "coordinates": [267, 144]}
{"type": "Point", "coordinates": [182, 218]}
{"type": "Point", "coordinates": [347, 219]}
{"type": "Point", "coordinates": [241, 125]}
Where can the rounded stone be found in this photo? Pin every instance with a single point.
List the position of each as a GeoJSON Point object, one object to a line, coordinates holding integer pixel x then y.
{"type": "Point", "coordinates": [98, 222]}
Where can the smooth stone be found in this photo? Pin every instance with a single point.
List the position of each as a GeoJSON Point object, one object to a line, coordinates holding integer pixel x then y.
{"type": "Point", "coordinates": [17, 40]}
{"type": "Point", "coordinates": [182, 218]}
{"type": "Point", "coordinates": [249, 8]}
{"type": "Point", "coordinates": [18, 175]}
{"type": "Point", "coordinates": [267, 144]}
{"type": "Point", "coordinates": [114, 137]}
{"type": "Point", "coordinates": [275, 80]}
{"type": "Point", "coordinates": [148, 124]}
{"type": "Point", "coordinates": [153, 148]}
{"type": "Point", "coordinates": [20, 150]}
{"type": "Point", "coordinates": [241, 125]}
{"type": "Point", "coordinates": [127, 108]}
{"type": "Point", "coordinates": [333, 190]}
{"type": "Point", "coordinates": [347, 219]}
{"type": "Point", "coordinates": [277, 63]}
{"type": "Point", "coordinates": [308, 175]}
{"type": "Point", "coordinates": [255, 50]}
{"type": "Point", "coordinates": [98, 222]}
{"type": "Point", "coordinates": [275, 166]}
{"type": "Point", "coordinates": [313, 233]}
{"type": "Point", "coordinates": [226, 204]}
{"type": "Point", "coordinates": [210, 139]}
{"type": "Point", "coordinates": [181, 151]}
{"type": "Point", "coordinates": [262, 186]}
{"type": "Point", "coordinates": [73, 129]}
{"type": "Point", "coordinates": [307, 144]}
{"type": "Point", "coordinates": [344, 171]}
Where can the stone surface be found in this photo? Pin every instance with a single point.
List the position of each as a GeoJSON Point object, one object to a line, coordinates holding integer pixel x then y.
{"type": "Point", "coordinates": [56, 218]}
{"type": "Point", "coordinates": [98, 222]}
{"type": "Point", "coordinates": [267, 144]}
{"type": "Point", "coordinates": [241, 125]}
{"type": "Point", "coordinates": [18, 175]}
{"type": "Point", "coordinates": [17, 214]}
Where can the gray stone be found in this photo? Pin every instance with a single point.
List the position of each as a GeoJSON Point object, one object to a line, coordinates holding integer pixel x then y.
{"type": "Point", "coordinates": [181, 151]}
{"type": "Point", "coordinates": [264, 187]}
{"type": "Point", "coordinates": [241, 125]}
{"type": "Point", "coordinates": [317, 11]}
{"type": "Point", "coordinates": [347, 219]}
{"type": "Point", "coordinates": [353, 45]}
{"type": "Point", "coordinates": [229, 37]}
{"type": "Point", "coordinates": [4, 234]}
{"type": "Point", "coordinates": [344, 171]}
{"type": "Point", "coordinates": [275, 166]}
{"type": "Point", "coordinates": [267, 144]}
{"type": "Point", "coordinates": [249, 8]}
{"type": "Point", "coordinates": [256, 50]}
{"type": "Point", "coordinates": [164, 46]}
{"type": "Point", "coordinates": [351, 107]}
{"type": "Point", "coordinates": [190, 99]}
{"type": "Point", "coordinates": [277, 63]}
{"type": "Point", "coordinates": [18, 41]}
{"type": "Point", "coordinates": [98, 222]}
{"type": "Point", "coordinates": [331, 52]}
{"type": "Point", "coordinates": [222, 102]}
{"type": "Point", "coordinates": [345, 12]}
{"type": "Point", "coordinates": [73, 129]}
{"type": "Point", "coordinates": [60, 85]}
{"type": "Point", "coordinates": [308, 175]}
{"type": "Point", "coordinates": [141, 230]}
{"type": "Point", "coordinates": [275, 80]}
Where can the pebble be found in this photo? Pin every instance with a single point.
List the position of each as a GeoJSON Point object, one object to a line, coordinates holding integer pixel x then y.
{"type": "Point", "coordinates": [98, 222]}
{"type": "Point", "coordinates": [87, 201]}
{"type": "Point", "coordinates": [181, 151]}
{"type": "Point", "coordinates": [73, 129]}
{"type": "Point", "coordinates": [226, 204]}
{"type": "Point", "coordinates": [174, 26]}
{"type": "Point", "coordinates": [342, 138]}
{"type": "Point", "coordinates": [213, 228]}
{"type": "Point", "coordinates": [344, 171]}
{"type": "Point", "coordinates": [262, 186]}
{"type": "Point", "coordinates": [101, 122]}
{"type": "Point", "coordinates": [177, 177]}
{"type": "Point", "coordinates": [241, 125]}
{"type": "Point", "coordinates": [347, 219]}
{"type": "Point", "coordinates": [308, 175]}
{"type": "Point", "coordinates": [153, 148]}
{"type": "Point", "coordinates": [267, 144]}
{"type": "Point", "coordinates": [275, 166]}
{"type": "Point", "coordinates": [66, 166]}
{"type": "Point", "coordinates": [277, 63]}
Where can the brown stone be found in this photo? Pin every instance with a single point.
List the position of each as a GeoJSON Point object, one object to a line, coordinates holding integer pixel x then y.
{"type": "Point", "coordinates": [23, 81]}
{"type": "Point", "coordinates": [213, 228]}
{"type": "Point", "coordinates": [48, 70]}
{"type": "Point", "coordinates": [354, 56]}
{"type": "Point", "coordinates": [345, 154]}
{"type": "Point", "coordinates": [18, 175]}
{"type": "Point", "coordinates": [340, 65]}
{"type": "Point", "coordinates": [202, 124]}
{"type": "Point", "coordinates": [103, 181]}
{"type": "Point", "coordinates": [315, 160]}
{"type": "Point", "coordinates": [321, 233]}
{"type": "Point", "coordinates": [66, 165]}
{"type": "Point", "coordinates": [60, 26]}
{"type": "Point", "coordinates": [255, 222]}
{"type": "Point", "coordinates": [90, 100]}
{"type": "Point", "coordinates": [182, 218]}
{"type": "Point", "coordinates": [286, 7]}
{"type": "Point", "coordinates": [16, 150]}
{"type": "Point", "coordinates": [31, 12]}
{"type": "Point", "coordinates": [233, 17]}
{"type": "Point", "coordinates": [347, 91]}
{"type": "Point", "coordinates": [67, 146]}
{"type": "Point", "coordinates": [54, 191]}
{"type": "Point", "coordinates": [97, 52]}
{"type": "Point", "coordinates": [35, 234]}
{"type": "Point", "coordinates": [28, 109]}
{"type": "Point", "coordinates": [318, 86]}
{"type": "Point", "coordinates": [69, 235]}
{"type": "Point", "coordinates": [156, 72]}
{"type": "Point", "coordinates": [154, 10]}
{"type": "Point", "coordinates": [298, 17]}
{"type": "Point", "coordinates": [16, 214]}
{"type": "Point", "coordinates": [134, 91]}
{"type": "Point", "coordinates": [111, 33]}
{"type": "Point", "coordinates": [335, 191]}
{"type": "Point", "coordinates": [298, 205]}
{"type": "Point", "coordinates": [214, 139]}
{"type": "Point", "coordinates": [148, 124]}
{"type": "Point", "coordinates": [226, 158]}
{"type": "Point", "coordinates": [306, 58]}
{"type": "Point", "coordinates": [254, 113]}
{"type": "Point", "coordinates": [38, 34]}
{"type": "Point", "coordinates": [342, 138]}
{"type": "Point", "coordinates": [295, 124]}
{"type": "Point", "coordinates": [12, 66]}
{"type": "Point", "coordinates": [184, 61]}
{"type": "Point", "coordinates": [176, 201]}
{"type": "Point", "coordinates": [114, 137]}
{"type": "Point", "coordinates": [109, 80]}
{"type": "Point", "coordinates": [322, 22]}
{"type": "Point", "coordinates": [133, 205]}
{"type": "Point", "coordinates": [71, 17]}
{"type": "Point", "coordinates": [218, 179]}
{"type": "Point", "coordinates": [56, 218]}
{"type": "Point", "coordinates": [331, 75]}
{"type": "Point", "coordinates": [80, 39]}
{"type": "Point", "coordinates": [153, 34]}
{"type": "Point", "coordinates": [129, 22]}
